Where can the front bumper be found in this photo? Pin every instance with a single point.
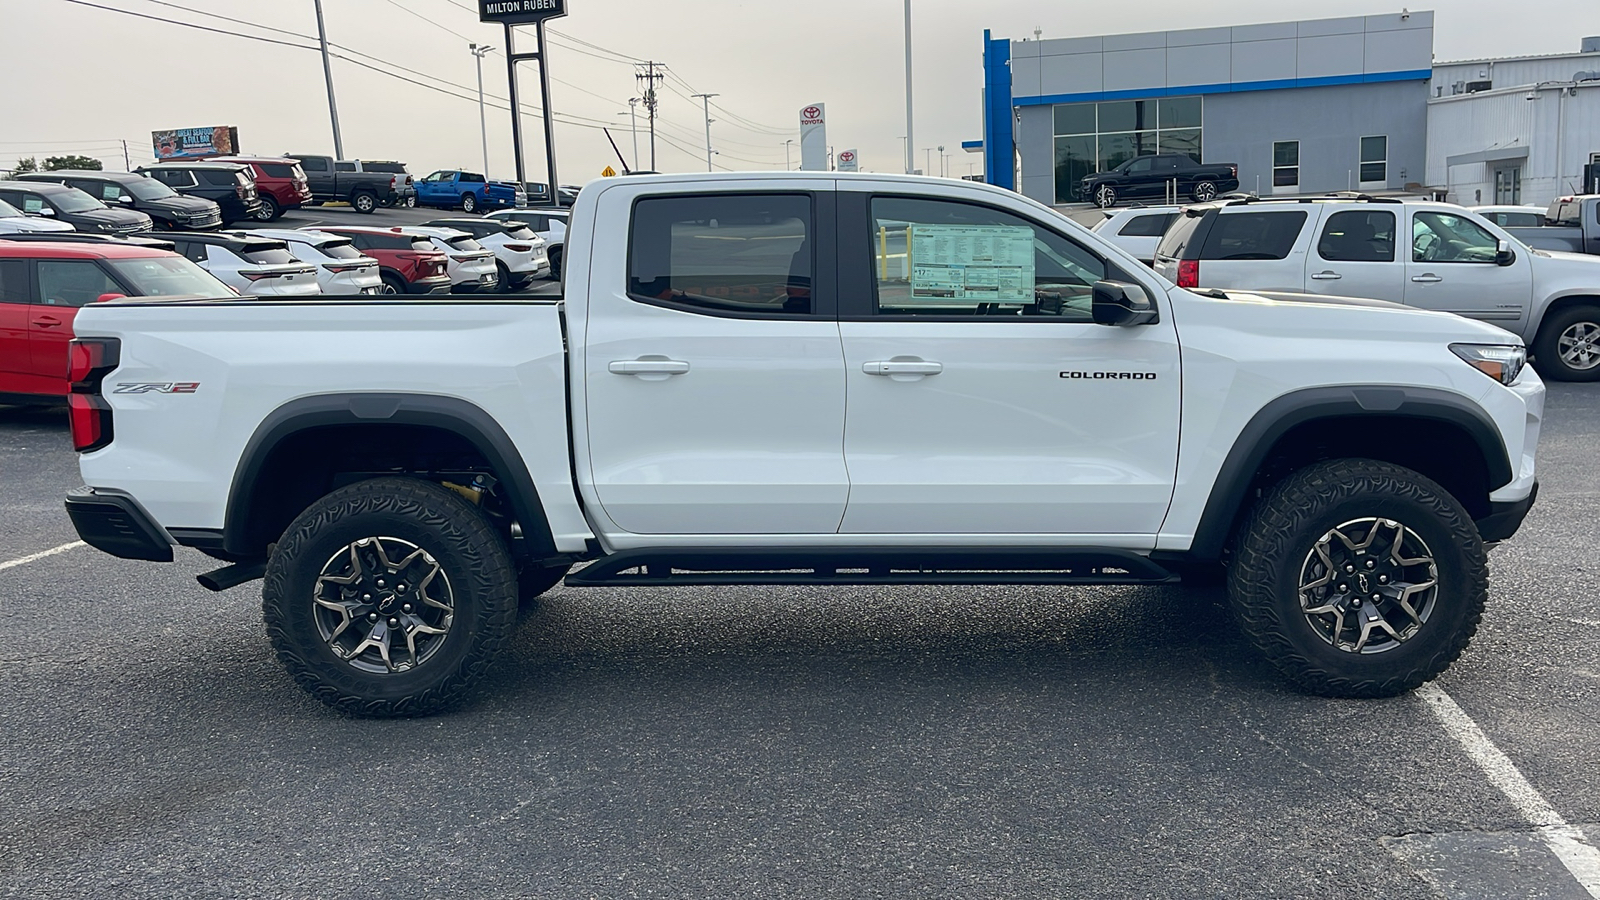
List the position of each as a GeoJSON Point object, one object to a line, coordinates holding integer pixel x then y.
{"type": "Point", "coordinates": [118, 525]}
{"type": "Point", "coordinates": [1505, 518]}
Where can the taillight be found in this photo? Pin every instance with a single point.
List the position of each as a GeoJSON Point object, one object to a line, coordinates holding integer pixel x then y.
{"type": "Point", "coordinates": [89, 361]}
{"type": "Point", "coordinates": [1188, 273]}
{"type": "Point", "coordinates": [1233, 171]}
{"type": "Point", "coordinates": [344, 267]}
{"type": "Point", "coordinates": [520, 248]}
{"type": "Point", "coordinates": [241, 190]}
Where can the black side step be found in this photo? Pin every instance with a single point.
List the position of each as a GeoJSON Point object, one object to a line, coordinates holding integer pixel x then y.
{"type": "Point", "coordinates": [870, 565]}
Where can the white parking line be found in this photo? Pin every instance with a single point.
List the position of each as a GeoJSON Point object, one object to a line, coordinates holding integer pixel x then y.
{"type": "Point", "coordinates": [40, 555]}
{"type": "Point", "coordinates": [1568, 843]}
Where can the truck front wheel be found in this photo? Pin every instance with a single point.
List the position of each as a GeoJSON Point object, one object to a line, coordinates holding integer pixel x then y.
{"type": "Point", "coordinates": [1568, 345]}
{"type": "Point", "coordinates": [1359, 578]}
{"type": "Point", "coordinates": [389, 597]}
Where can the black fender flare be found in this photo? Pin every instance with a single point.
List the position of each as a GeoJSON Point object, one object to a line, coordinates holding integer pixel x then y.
{"type": "Point", "coordinates": [1274, 420]}
{"type": "Point", "coordinates": [447, 413]}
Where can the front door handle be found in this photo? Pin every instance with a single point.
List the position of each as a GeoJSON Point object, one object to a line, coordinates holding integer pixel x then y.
{"type": "Point", "coordinates": [1429, 278]}
{"type": "Point", "coordinates": [1326, 276]}
{"type": "Point", "coordinates": [902, 367]}
{"type": "Point", "coordinates": [47, 322]}
{"type": "Point", "coordinates": [649, 365]}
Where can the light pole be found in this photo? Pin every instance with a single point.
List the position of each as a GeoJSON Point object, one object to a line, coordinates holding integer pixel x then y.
{"type": "Point", "coordinates": [327, 72]}
{"type": "Point", "coordinates": [633, 117]}
{"type": "Point", "coordinates": [944, 163]}
{"type": "Point", "coordinates": [927, 166]}
{"type": "Point", "coordinates": [478, 53]}
{"type": "Point", "coordinates": [911, 162]}
{"type": "Point", "coordinates": [706, 100]}
{"type": "Point", "coordinates": [786, 145]}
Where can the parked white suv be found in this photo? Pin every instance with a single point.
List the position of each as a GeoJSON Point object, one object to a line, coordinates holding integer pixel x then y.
{"type": "Point", "coordinates": [253, 266]}
{"type": "Point", "coordinates": [1137, 230]}
{"type": "Point", "coordinates": [520, 254]}
{"type": "Point", "coordinates": [342, 270]}
{"type": "Point", "coordinates": [1431, 255]}
{"type": "Point", "coordinates": [550, 224]}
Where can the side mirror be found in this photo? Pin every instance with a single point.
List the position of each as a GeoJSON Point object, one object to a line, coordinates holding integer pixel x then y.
{"type": "Point", "coordinates": [47, 212]}
{"type": "Point", "coordinates": [1123, 305]}
{"type": "Point", "coordinates": [1504, 255]}
{"type": "Point", "coordinates": [107, 298]}
{"type": "Point", "coordinates": [125, 200]}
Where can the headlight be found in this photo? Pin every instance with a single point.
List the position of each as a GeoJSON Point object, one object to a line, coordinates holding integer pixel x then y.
{"type": "Point", "coordinates": [1502, 362]}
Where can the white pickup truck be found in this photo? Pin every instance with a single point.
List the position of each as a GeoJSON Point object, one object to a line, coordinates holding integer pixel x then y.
{"type": "Point", "coordinates": [819, 380]}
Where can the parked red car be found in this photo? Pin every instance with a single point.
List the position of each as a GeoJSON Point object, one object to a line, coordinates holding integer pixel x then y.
{"type": "Point", "coordinates": [410, 263]}
{"type": "Point", "coordinates": [281, 181]}
{"type": "Point", "coordinates": [42, 286]}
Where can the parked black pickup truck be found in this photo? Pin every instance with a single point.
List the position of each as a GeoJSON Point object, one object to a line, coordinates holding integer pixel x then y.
{"type": "Point", "coordinates": [1152, 175]}
{"type": "Point", "coordinates": [365, 191]}
{"type": "Point", "coordinates": [1573, 226]}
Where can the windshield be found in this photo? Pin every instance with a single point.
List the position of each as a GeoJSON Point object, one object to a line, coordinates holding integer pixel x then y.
{"type": "Point", "coordinates": [149, 189]}
{"type": "Point", "coordinates": [340, 250]}
{"type": "Point", "coordinates": [169, 276]}
{"type": "Point", "coordinates": [7, 211]}
{"type": "Point", "coordinates": [73, 200]}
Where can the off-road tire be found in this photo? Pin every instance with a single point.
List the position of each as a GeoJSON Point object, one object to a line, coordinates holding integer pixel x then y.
{"type": "Point", "coordinates": [472, 556]}
{"type": "Point", "coordinates": [533, 582]}
{"type": "Point", "coordinates": [1283, 529]}
{"type": "Point", "coordinates": [1547, 346]}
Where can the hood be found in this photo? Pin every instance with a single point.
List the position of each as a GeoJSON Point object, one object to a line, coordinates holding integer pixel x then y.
{"type": "Point", "coordinates": [1568, 258]}
{"type": "Point", "coordinates": [194, 206]}
{"type": "Point", "coordinates": [119, 218]}
{"type": "Point", "coordinates": [1342, 317]}
{"type": "Point", "coordinates": [25, 224]}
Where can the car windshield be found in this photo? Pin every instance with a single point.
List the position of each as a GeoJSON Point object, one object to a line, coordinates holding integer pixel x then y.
{"type": "Point", "coordinates": [73, 200]}
{"type": "Point", "coordinates": [7, 211]}
{"type": "Point", "coordinates": [169, 276]}
{"type": "Point", "coordinates": [340, 250]}
{"type": "Point", "coordinates": [149, 189]}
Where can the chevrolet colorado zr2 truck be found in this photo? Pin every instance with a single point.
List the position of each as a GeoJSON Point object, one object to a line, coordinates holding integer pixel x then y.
{"type": "Point", "coordinates": [765, 379]}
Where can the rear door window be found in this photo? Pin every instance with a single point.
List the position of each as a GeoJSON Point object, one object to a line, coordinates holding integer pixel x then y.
{"type": "Point", "coordinates": [1254, 235]}
{"type": "Point", "coordinates": [748, 254]}
{"type": "Point", "coordinates": [14, 287]}
{"type": "Point", "coordinates": [314, 165]}
{"type": "Point", "coordinates": [1358, 236]}
{"type": "Point", "coordinates": [74, 282]}
{"type": "Point", "coordinates": [278, 170]}
{"type": "Point", "coordinates": [1154, 225]}
{"type": "Point", "coordinates": [220, 177]}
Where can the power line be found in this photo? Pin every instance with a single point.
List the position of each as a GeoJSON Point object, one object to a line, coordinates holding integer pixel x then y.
{"type": "Point", "coordinates": [129, 12]}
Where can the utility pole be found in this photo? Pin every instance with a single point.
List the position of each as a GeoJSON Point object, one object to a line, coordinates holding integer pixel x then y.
{"type": "Point", "coordinates": [633, 119]}
{"type": "Point", "coordinates": [127, 161]}
{"type": "Point", "coordinates": [650, 76]}
{"type": "Point", "coordinates": [483, 117]}
{"type": "Point", "coordinates": [786, 145]}
{"type": "Point", "coordinates": [911, 162]}
{"type": "Point", "coordinates": [327, 72]}
{"type": "Point", "coordinates": [705, 99]}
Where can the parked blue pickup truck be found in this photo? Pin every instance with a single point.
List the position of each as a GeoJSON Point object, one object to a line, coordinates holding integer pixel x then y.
{"type": "Point", "coordinates": [468, 192]}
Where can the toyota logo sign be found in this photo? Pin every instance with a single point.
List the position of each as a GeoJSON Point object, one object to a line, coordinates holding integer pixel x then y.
{"type": "Point", "coordinates": [812, 112]}
{"type": "Point", "coordinates": [847, 156]}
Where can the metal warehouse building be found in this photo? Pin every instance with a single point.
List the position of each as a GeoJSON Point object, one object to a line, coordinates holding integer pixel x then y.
{"type": "Point", "coordinates": [1302, 108]}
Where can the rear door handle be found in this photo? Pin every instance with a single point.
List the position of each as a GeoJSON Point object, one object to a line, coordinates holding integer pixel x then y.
{"type": "Point", "coordinates": [1429, 278]}
{"type": "Point", "coordinates": [1326, 276]}
{"type": "Point", "coordinates": [649, 366]}
{"type": "Point", "coordinates": [902, 367]}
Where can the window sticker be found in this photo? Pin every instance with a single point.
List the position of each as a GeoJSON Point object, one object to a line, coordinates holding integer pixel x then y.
{"type": "Point", "coordinates": [963, 263]}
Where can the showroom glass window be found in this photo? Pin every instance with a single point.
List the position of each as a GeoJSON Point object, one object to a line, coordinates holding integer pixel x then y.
{"type": "Point", "coordinates": [1098, 137]}
{"type": "Point", "coordinates": [1286, 165]}
{"type": "Point", "coordinates": [942, 258]}
{"type": "Point", "coordinates": [734, 254]}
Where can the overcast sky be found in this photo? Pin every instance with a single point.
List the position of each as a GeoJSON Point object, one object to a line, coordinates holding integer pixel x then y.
{"type": "Point", "coordinates": [80, 80]}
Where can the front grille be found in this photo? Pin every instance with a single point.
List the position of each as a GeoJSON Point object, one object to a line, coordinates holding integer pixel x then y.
{"type": "Point", "coordinates": [206, 221]}
{"type": "Point", "coordinates": [136, 229]}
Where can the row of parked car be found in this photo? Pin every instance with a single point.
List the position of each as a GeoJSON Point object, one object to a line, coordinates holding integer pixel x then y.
{"type": "Point", "coordinates": [1540, 280]}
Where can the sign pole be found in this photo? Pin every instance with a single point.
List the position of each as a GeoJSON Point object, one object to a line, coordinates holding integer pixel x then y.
{"type": "Point", "coordinates": [549, 115]}
{"type": "Point", "coordinates": [516, 105]}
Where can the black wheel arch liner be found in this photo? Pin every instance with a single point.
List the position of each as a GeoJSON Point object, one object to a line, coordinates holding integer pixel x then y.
{"type": "Point", "coordinates": [451, 414]}
{"type": "Point", "coordinates": [1276, 419]}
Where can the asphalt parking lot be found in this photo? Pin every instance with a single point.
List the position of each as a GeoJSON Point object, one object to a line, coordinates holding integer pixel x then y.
{"type": "Point", "coordinates": [788, 742]}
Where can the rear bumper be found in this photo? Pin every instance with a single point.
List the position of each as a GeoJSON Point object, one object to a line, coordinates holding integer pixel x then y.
{"type": "Point", "coordinates": [1504, 519]}
{"type": "Point", "coordinates": [438, 284]}
{"type": "Point", "coordinates": [118, 525]}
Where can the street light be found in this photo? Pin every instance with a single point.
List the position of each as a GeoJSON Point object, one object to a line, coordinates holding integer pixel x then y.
{"type": "Point", "coordinates": [633, 117]}
{"type": "Point", "coordinates": [478, 53]}
{"type": "Point", "coordinates": [910, 135]}
{"type": "Point", "coordinates": [786, 154]}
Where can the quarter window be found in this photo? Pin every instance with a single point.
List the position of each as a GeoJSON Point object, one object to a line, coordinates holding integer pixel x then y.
{"type": "Point", "coordinates": [1358, 236]}
{"type": "Point", "coordinates": [1154, 225]}
{"type": "Point", "coordinates": [942, 258]}
{"type": "Point", "coordinates": [1447, 238]}
{"type": "Point", "coordinates": [1253, 235]}
{"type": "Point", "coordinates": [74, 282]}
{"type": "Point", "coordinates": [740, 254]}
{"type": "Point", "coordinates": [1375, 161]}
{"type": "Point", "coordinates": [1286, 164]}
{"type": "Point", "coordinates": [14, 281]}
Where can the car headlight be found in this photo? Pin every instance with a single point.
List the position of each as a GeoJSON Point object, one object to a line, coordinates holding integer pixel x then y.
{"type": "Point", "coordinates": [1502, 362]}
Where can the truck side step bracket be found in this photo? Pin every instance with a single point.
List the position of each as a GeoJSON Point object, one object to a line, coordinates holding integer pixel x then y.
{"type": "Point", "coordinates": [866, 566]}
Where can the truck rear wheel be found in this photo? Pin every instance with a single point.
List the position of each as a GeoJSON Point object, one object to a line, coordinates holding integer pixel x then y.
{"type": "Point", "coordinates": [1568, 345]}
{"type": "Point", "coordinates": [469, 203]}
{"type": "Point", "coordinates": [365, 202]}
{"type": "Point", "coordinates": [389, 597]}
{"type": "Point", "coordinates": [1359, 578]}
{"type": "Point", "coordinates": [1205, 191]}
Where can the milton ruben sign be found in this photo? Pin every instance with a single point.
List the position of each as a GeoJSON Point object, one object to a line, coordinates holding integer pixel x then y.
{"type": "Point", "coordinates": [520, 12]}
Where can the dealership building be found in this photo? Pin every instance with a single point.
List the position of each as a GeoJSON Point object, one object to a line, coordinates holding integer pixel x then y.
{"type": "Point", "coordinates": [1301, 107]}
